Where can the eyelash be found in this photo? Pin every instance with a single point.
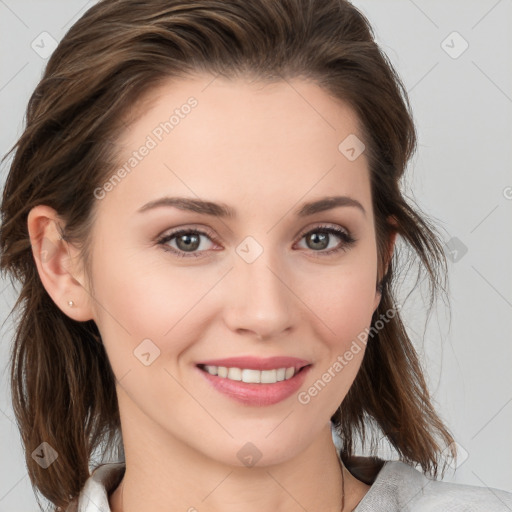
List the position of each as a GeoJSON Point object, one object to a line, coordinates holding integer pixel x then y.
{"type": "Point", "coordinates": [347, 240]}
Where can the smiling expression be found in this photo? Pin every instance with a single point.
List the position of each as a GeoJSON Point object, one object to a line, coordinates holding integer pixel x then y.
{"type": "Point", "coordinates": [252, 261]}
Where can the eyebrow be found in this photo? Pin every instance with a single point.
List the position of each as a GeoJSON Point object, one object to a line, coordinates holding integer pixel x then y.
{"type": "Point", "coordinates": [222, 210]}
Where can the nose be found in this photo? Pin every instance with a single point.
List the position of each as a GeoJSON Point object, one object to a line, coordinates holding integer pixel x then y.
{"type": "Point", "coordinates": [261, 302]}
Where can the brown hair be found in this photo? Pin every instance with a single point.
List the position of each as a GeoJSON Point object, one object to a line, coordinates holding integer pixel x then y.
{"type": "Point", "coordinates": [62, 384]}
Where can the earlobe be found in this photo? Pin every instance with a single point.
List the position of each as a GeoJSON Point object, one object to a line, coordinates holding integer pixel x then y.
{"type": "Point", "coordinates": [56, 262]}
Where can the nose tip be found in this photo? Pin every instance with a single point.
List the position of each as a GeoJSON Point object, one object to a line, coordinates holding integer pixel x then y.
{"type": "Point", "coordinates": [260, 303]}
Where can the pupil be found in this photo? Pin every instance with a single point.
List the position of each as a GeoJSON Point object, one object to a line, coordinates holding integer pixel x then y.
{"type": "Point", "coordinates": [189, 242]}
{"type": "Point", "coordinates": [319, 238]}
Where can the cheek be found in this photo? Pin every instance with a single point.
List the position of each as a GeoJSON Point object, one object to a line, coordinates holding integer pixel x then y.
{"type": "Point", "coordinates": [352, 307]}
{"type": "Point", "coordinates": [343, 297]}
{"type": "Point", "coordinates": [346, 316]}
{"type": "Point", "coordinates": [141, 298]}
{"type": "Point", "coordinates": [342, 317]}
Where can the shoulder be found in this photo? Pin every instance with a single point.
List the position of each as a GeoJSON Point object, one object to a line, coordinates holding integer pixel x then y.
{"type": "Point", "coordinates": [401, 487]}
{"type": "Point", "coordinates": [437, 495]}
{"type": "Point", "coordinates": [94, 496]}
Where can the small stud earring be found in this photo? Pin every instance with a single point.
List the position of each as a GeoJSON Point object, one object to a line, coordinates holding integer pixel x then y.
{"type": "Point", "coordinates": [71, 303]}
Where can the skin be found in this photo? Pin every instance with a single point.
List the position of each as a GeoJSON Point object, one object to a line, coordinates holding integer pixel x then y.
{"type": "Point", "coordinates": [263, 150]}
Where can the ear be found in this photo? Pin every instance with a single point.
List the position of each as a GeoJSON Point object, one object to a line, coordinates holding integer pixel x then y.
{"type": "Point", "coordinates": [58, 264]}
{"type": "Point", "coordinates": [388, 255]}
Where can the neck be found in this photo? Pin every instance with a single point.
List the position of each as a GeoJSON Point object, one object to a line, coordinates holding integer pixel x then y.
{"type": "Point", "coordinates": [164, 474]}
{"type": "Point", "coordinates": [337, 491]}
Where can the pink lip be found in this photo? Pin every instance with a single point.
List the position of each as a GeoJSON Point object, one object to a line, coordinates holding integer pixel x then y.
{"type": "Point", "coordinates": [257, 363]}
{"type": "Point", "coordinates": [257, 394]}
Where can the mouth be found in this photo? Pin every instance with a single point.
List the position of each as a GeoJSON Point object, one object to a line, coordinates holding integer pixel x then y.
{"type": "Point", "coordinates": [255, 381]}
{"type": "Point", "coordinates": [254, 376]}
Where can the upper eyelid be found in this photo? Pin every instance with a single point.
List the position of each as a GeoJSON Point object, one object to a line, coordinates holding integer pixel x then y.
{"type": "Point", "coordinates": [323, 225]}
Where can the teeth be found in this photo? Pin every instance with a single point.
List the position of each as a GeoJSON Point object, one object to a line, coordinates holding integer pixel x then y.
{"type": "Point", "coordinates": [252, 376]}
{"type": "Point", "coordinates": [212, 370]}
{"type": "Point", "coordinates": [289, 372]}
{"type": "Point", "coordinates": [233, 373]}
{"type": "Point", "coordinates": [267, 376]}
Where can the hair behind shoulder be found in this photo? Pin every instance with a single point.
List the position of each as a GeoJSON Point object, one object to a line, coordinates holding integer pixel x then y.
{"type": "Point", "coordinates": [62, 384]}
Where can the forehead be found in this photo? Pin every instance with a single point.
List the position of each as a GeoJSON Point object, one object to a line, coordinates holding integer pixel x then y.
{"type": "Point", "coordinates": [272, 104]}
{"type": "Point", "coordinates": [219, 138]}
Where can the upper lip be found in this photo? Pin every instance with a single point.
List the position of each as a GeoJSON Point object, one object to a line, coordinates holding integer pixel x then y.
{"type": "Point", "coordinates": [258, 363]}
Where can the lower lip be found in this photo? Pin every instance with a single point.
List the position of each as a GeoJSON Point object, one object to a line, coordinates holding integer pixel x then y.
{"type": "Point", "coordinates": [257, 394]}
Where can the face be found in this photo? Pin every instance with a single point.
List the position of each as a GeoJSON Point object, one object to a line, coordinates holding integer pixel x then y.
{"type": "Point", "coordinates": [175, 288]}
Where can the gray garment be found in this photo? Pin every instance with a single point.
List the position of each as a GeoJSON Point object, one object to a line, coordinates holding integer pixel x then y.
{"type": "Point", "coordinates": [398, 487]}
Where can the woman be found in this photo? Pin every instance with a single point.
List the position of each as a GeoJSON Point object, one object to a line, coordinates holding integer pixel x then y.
{"type": "Point", "coordinates": [203, 211]}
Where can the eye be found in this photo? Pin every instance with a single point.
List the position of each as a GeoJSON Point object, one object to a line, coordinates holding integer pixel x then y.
{"type": "Point", "coordinates": [187, 241]}
{"type": "Point", "coordinates": [319, 238]}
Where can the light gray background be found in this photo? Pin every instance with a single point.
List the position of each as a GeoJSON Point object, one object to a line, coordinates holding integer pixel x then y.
{"type": "Point", "coordinates": [460, 176]}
